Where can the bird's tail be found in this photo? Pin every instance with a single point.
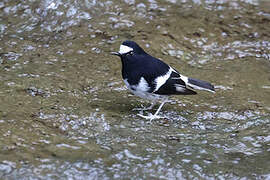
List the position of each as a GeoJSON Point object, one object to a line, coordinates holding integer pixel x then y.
{"type": "Point", "coordinates": [200, 85]}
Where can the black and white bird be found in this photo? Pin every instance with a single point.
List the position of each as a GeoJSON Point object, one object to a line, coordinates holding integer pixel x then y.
{"type": "Point", "coordinates": [150, 78]}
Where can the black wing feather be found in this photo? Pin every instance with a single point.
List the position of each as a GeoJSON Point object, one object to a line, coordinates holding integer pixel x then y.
{"type": "Point", "coordinates": [169, 87]}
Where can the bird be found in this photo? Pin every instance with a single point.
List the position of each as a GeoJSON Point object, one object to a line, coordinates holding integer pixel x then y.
{"type": "Point", "coordinates": [152, 79]}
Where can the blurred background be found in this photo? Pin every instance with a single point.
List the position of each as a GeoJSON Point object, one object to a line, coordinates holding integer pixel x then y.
{"type": "Point", "coordinates": [66, 114]}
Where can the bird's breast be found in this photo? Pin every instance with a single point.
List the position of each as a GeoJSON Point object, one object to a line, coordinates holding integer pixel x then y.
{"type": "Point", "coordinates": [142, 90]}
{"type": "Point", "coordinates": [142, 85]}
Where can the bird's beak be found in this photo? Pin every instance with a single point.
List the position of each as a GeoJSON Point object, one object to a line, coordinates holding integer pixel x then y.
{"type": "Point", "coordinates": [116, 53]}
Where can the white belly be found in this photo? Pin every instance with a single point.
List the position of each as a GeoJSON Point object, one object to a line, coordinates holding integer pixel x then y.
{"type": "Point", "coordinates": [141, 90]}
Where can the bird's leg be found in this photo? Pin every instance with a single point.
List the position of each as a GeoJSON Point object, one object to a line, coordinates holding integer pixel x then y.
{"type": "Point", "coordinates": [155, 116]}
{"type": "Point", "coordinates": [151, 106]}
{"type": "Point", "coordinates": [159, 108]}
{"type": "Point", "coordinates": [147, 108]}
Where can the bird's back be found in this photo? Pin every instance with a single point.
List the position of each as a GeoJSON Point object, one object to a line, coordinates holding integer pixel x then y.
{"type": "Point", "coordinates": [146, 66]}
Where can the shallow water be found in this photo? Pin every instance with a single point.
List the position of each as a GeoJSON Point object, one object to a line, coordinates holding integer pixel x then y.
{"type": "Point", "coordinates": [65, 112]}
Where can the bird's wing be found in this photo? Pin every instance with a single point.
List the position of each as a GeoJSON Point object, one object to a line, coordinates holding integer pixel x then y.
{"type": "Point", "coordinates": [157, 77]}
{"type": "Point", "coordinates": [149, 74]}
{"type": "Point", "coordinates": [143, 70]}
{"type": "Point", "coordinates": [172, 83]}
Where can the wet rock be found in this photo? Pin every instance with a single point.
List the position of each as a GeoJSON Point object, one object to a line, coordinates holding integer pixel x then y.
{"type": "Point", "coordinates": [33, 91]}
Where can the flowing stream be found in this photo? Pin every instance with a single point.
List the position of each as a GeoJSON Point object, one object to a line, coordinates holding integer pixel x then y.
{"type": "Point", "coordinates": [66, 114]}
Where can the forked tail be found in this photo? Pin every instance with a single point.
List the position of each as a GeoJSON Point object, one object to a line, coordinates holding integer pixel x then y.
{"type": "Point", "coordinates": [200, 85]}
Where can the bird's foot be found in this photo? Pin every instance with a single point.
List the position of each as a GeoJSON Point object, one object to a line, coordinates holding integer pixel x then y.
{"type": "Point", "coordinates": [150, 117]}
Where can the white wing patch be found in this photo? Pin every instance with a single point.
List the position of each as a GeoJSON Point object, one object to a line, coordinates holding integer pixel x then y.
{"type": "Point", "coordinates": [125, 49]}
{"type": "Point", "coordinates": [184, 78]}
{"type": "Point", "coordinates": [162, 79]}
{"type": "Point", "coordinates": [180, 88]}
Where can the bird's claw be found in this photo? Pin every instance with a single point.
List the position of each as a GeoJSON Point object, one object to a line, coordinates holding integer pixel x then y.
{"type": "Point", "coordinates": [150, 117]}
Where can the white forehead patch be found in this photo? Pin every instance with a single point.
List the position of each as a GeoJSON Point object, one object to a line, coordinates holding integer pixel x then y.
{"type": "Point", "coordinates": [125, 49]}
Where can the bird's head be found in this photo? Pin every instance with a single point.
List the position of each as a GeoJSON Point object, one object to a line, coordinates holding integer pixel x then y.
{"type": "Point", "coordinates": [129, 48]}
